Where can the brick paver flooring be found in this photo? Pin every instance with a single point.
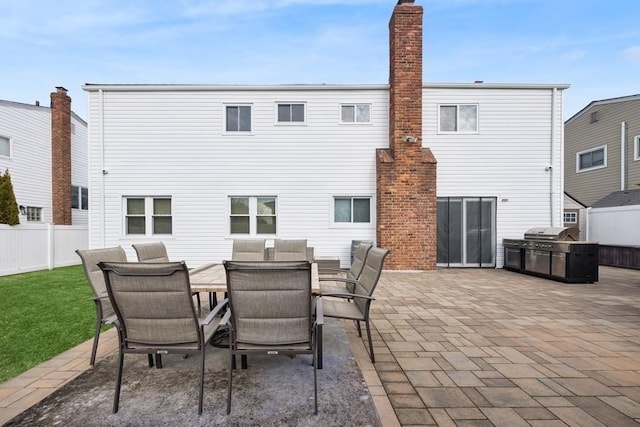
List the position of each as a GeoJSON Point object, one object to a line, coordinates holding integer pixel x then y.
{"type": "Point", "coordinates": [493, 347]}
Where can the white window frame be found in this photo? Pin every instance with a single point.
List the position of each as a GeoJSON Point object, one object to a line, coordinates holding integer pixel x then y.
{"type": "Point", "coordinates": [224, 119]}
{"type": "Point", "coordinates": [149, 215]}
{"type": "Point", "coordinates": [591, 150]}
{"type": "Point", "coordinates": [351, 224]}
{"type": "Point", "coordinates": [33, 214]}
{"type": "Point", "coordinates": [291, 122]}
{"type": "Point", "coordinates": [10, 143]}
{"type": "Point", "coordinates": [636, 147]}
{"type": "Point", "coordinates": [457, 131]}
{"type": "Point", "coordinates": [355, 113]}
{"type": "Point", "coordinates": [79, 190]}
{"type": "Point", "coordinates": [567, 214]}
{"type": "Point", "coordinates": [253, 215]}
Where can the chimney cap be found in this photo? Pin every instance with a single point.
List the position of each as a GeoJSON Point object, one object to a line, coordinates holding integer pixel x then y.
{"type": "Point", "coordinates": [404, 2]}
{"type": "Point", "coordinates": [61, 89]}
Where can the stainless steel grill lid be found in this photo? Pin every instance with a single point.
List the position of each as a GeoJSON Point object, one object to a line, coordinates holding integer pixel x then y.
{"type": "Point", "coordinates": [552, 233]}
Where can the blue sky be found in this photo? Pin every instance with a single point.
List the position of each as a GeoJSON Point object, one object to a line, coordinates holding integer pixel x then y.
{"type": "Point", "coordinates": [592, 45]}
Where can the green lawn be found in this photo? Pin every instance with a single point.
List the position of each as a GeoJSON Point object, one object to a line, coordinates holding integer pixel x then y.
{"type": "Point", "coordinates": [42, 314]}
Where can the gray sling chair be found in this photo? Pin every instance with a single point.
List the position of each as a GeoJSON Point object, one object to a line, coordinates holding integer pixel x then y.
{"type": "Point", "coordinates": [104, 312]}
{"type": "Point", "coordinates": [290, 250]}
{"type": "Point", "coordinates": [272, 312]}
{"type": "Point", "coordinates": [328, 285]}
{"type": "Point", "coordinates": [358, 310]}
{"type": "Point", "coordinates": [155, 313]}
{"type": "Point", "coordinates": [157, 252]}
{"type": "Point", "coordinates": [248, 250]}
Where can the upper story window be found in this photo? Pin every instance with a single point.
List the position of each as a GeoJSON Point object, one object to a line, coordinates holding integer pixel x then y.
{"type": "Point", "coordinates": [461, 118]}
{"type": "Point", "coordinates": [238, 118]}
{"type": "Point", "coordinates": [5, 146]}
{"type": "Point", "coordinates": [355, 113]}
{"type": "Point", "coordinates": [570, 217]}
{"type": "Point", "coordinates": [636, 148]}
{"type": "Point", "coordinates": [594, 158]}
{"type": "Point", "coordinates": [148, 216]}
{"type": "Point", "coordinates": [252, 215]}
{"type": "Point", "coordinates": [291, 113]}
{"type": "Point", "coordinates": [79, 198]}
{"type": "Point", "coordinates": [351, 209]}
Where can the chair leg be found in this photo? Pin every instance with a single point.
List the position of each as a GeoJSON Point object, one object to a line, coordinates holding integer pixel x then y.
{"type": "Point", "coordinates": [373, 360]}
{"type": "Point", "coordinates": [150, 357]}
{"type": "Point", "coordinates": [358, 327]}
{"type": "Point", "coordinates": [315, 384]}
{"type": "Point", "coordinates": [116, 397]}
{"type": "Point", "coordinates": [201, 381]}
{"type": "Point", "coordinates": [158, 361]}
{"type": "Point", "coordinates": [230, 377]}
{"type": "Point", "coordinates": [96, 337]}
{"type": "Point", "coordinates": [199, 303]}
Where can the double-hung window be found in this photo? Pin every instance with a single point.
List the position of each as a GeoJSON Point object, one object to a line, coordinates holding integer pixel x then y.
{"type": "Point", "coordinates": [238, 118]}
{"type": "Point", "coordinates": [355, 113]}
{"type": "Point", "coordinates": [5, 146]}
{"type": "Point", "coordinates": [461, 118]}
{"type": "Point", "coordinates": [351, 210]}
{"type": "Point", "coordinates": [148, 216]}
{"type": "Point", "coordinates": [252, 215]}
{"type": "Point", "coordinates": [594, 158]}
{"type": "Point", "coordinates": [290, 113]}
{"type": "Point", "coordinates": [79, 198]}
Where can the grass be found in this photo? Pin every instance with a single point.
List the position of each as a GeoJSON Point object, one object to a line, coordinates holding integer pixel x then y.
{"type": "Point", "coordinates": [42, 314]}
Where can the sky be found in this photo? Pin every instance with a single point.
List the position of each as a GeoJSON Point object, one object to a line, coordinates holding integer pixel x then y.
{"type": "Point", "coordinates": [593, 45]}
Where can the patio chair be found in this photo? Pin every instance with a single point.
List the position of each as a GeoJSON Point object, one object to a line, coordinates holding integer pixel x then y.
{"type": "Point", "coordinates": [358, 311]}
{"type": "Point", "coordinates": [328, 285]}
{"type": "Point", "coordinates": [155, 313]}
{"type": "Point", "coordinates": [157, 252]}
{"type": "Point", "coordinates": [272, 312]}
{"type": "Point", "coordinates": [104, 312]}
{"type": "Point", "coordinates": [290, 250]}
{"type": "Point", "coordinates": [248, 250]}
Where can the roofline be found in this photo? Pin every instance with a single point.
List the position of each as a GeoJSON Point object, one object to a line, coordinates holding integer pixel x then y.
{"type": "Point", "coordinates": [604, 102]}
{"type": "Point", "coordinates": [575, 200]}
{"type": "Point", "coordinates": [91, 87]}
{"type": "Point", "coordinates": [33, 106]}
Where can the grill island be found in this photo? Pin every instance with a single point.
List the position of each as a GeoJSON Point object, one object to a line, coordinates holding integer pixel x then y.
{"type": "Point", "coordinates": [553, 253]}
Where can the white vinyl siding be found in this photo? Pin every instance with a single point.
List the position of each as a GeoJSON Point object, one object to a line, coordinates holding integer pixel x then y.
{"type": "Point", "coordinates": [595, 158]}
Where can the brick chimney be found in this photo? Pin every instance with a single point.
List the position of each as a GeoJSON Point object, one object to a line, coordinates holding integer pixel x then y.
{"type": "Point", "coordinates": [406, 172]}
{"type": "Point", "coordinates": [61, 156]}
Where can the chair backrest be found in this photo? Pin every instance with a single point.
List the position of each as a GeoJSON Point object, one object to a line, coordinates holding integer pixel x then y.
{"type": "Point", "coordinates": [153, 303]}
{"type": "Point", "coordinates": [151, 252]}
{"type": "Point", "coordinates": [368, 280]}
{"type": "Point", "coordinates": [270, 301]}
{"type": "Point", "coordinates": [290, 250]}
{"type": "Point", "coordinates": [90, 259]}
{"type": "Point", "coordinates": [359, 258]}
{"type": "Point", "coordinates": [248, 250]}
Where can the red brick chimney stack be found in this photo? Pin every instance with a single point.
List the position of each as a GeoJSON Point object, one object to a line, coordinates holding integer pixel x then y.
{"type": "Point", "coordinates": [406, 172]}
{"type": "Point", "coordinates": [61, 156]}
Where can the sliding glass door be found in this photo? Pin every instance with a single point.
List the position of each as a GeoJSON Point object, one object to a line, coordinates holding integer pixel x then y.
{"type": "Point", "coordinates": [466, 231]}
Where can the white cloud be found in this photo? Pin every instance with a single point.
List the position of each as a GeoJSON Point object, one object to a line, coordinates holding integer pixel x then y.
{"type": "Point", "coordinates": [632, 54]}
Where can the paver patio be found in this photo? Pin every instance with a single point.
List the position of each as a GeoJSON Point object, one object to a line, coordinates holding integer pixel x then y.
{"type": "Point", "coordinates": [471, 347]}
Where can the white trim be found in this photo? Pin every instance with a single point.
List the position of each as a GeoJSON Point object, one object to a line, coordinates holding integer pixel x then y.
{"type": "Point", "coordinates": [570, 213]}
{"type": "Point", "coordinates": [355, 109]}
{"type": "Point", "coordinates": [579, 153]}
{"type": "Point", "coordinates": [226, 132]}
{"type": "Point", "coordinates": [351, 225]}
{"type": "Point", "coordinates": [10, 141]}
{"type": "Point", "coordinates": [148, 215]}
{"type": "Point", "coordinates": [253, 212]}
{"type": "Point", "coordinates": [636, 147]}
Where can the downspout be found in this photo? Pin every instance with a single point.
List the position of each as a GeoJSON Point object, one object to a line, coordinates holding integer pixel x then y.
{"type": "Point", "coordinates": [551, 155]}
{"type": "Point", "coordinates": [623, 155]}
{"type": "Point", "coordinates": [102, 172]}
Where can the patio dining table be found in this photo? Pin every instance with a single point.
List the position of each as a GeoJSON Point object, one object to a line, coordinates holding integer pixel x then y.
{"type": "Point", "coordinates": [212, 278]}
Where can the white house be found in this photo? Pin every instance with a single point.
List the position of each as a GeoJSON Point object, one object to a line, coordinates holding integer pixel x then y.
{"type": "Point", "coordinates": [26, 141]}
{"type": "Point", "coordinates": [196, 166]}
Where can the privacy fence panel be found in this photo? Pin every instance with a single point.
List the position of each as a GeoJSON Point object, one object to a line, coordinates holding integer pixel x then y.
{"type": "Point", "coordinates": [31, 247]}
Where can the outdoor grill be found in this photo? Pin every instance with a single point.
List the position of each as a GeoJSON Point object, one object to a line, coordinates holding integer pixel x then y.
{"type": "Point", "coordinates": [554, 253]}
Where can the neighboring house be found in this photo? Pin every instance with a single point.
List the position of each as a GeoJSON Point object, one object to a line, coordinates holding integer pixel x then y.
{"type": "Point", "coordinates": [575, 215]}
{"type": "Point", "coordinates": [196, 166]}
{"type": "Point", "coordinates": [45, 151]}
{"type": "Point", "coordinates": [602, 149]}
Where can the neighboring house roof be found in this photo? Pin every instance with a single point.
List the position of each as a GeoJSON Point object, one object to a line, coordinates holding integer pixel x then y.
{"type": "Point", "coordinates": [619, 198]}
{"type": "Point", "coordinates": [574, 199]}
{"type": "Point", "coordinates": [635, 97]}
{"type": "Point", "coordinates": [35, 106]}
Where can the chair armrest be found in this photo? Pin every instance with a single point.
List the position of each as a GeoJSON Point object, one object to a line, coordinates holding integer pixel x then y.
{"type": "Point", "coordinates": [348, 296]}
{"type": "Point", "coordinates": [328, 270]}
{"type": "Point", "coordinates": [217, 309]}
{"type": "Point", "coordinates": [337, 279]}
{"type": "Point", "coordinates": [319, 314]}
{"type": "Point", "coordinates": [225, 318]}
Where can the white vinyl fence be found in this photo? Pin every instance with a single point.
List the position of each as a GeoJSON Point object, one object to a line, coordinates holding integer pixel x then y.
{"type": "Point", "coordinates": [32, 247]}
{"type": "Point", "coordinates": [618, 226]}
